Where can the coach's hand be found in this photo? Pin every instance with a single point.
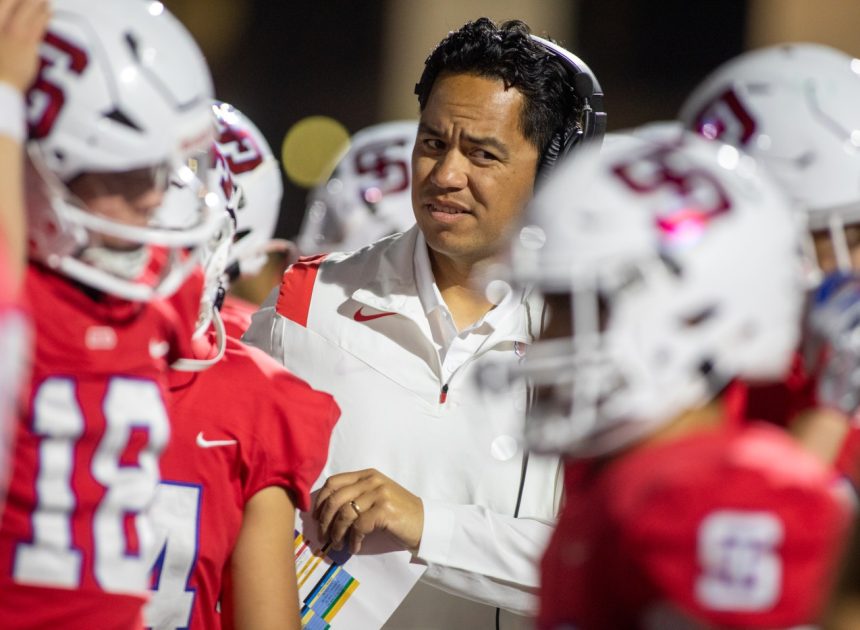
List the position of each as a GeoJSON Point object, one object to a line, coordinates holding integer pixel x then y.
{"type": "Point", "coordinates": [354, 504]}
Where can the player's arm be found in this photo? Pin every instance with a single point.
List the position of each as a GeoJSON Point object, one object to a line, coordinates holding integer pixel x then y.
{"type": "Point", "coordinates": [260, 586]}
{"type": "Point", "coordinates": [822, 431]}
{"type": "Point", "coordinates": [22, 24]}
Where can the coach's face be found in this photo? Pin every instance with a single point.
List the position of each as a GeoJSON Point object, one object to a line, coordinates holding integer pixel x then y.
{"type": "Point", "coordinates": [473, 169]}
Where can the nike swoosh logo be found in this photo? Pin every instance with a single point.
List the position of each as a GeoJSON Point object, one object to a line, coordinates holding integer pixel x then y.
{"type": "Point", "coordinates": [158, 349]}
{"type": "Point", "coordinates": [361, 317]}
{"type": "Point", "coordinates": [204, 443]}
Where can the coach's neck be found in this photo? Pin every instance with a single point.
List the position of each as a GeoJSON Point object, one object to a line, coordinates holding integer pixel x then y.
{"type": "Point", "coordinates": [454, 278]}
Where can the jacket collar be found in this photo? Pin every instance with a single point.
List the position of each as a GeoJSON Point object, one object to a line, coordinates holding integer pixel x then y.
{"type": "Point", "coordinates": [394, 289]}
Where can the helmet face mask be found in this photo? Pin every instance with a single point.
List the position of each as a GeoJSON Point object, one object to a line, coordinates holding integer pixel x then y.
{"type": "Point", "coordinates": [368, 195]}
{"type": "Point", "coordinates": [660, 289]}
{"type": "Point", "coordinates": [793, 108]}
{"type": "Point", "coordinates": [113, 117]}
{"type": "Point", "coordinates": [215, 255]}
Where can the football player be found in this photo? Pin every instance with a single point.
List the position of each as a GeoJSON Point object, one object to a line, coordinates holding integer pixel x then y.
{"type": "Point", "coordinates": [248, 441]}
{"type": "Point", "coordinates": [256, 174]}
{"type": "Point", "coordinates": [368, 195]}
{"type": "Point", "coordinates": [119, 106]}
{"type": "Point", "coordinates": [796, 109]}
{"type": "Point", "coordinates": [661, 292]}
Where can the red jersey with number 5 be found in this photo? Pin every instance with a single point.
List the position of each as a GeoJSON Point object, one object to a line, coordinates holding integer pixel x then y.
{"type": "Point", "coordinates": [75, 538]}
{"type": "Point", "coordinates": [737, 528]}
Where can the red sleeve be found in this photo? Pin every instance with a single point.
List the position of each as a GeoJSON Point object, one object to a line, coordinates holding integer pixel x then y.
{"type": "Point", "coordinates": [292, 426]}
{"type": "Point", "coordinates": [297, 287]}
{"type": "Point", "coordinates": [236, 314]}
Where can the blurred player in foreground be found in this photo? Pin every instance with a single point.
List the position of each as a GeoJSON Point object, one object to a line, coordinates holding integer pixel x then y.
{"type": "Point", "coordinates": [661, 292]}
{"type": "Point", "coordinates": [120, 105]}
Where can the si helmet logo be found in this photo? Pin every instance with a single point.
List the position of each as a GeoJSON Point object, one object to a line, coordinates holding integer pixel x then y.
{"type": "Point", "coordinates": [725, 118]}
{"type": "Point", "coordinates": [387, 173]}
{"type": "Point", "coordinates": [688, 197]}
{"type": "Point", "coordinates": [47, 97]}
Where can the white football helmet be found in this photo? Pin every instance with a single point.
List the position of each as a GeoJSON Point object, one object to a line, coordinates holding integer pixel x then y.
{"type": "Point", "coordinates": [123, 90]}
{"type": "Point", "coordinates": [796, 109]}
{"type": "Point", "coordinates": [368, 195]}
{"type": "Point", "coordinates": [257, 173]}
{"type": "Point", "coordinates": [680, 264]}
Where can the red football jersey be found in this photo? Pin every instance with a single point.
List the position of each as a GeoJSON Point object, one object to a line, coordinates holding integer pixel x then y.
{"type": "Point", "coordinates": [75, 537]}
{"type": "Point", "coordinates": [738, 527]}
{"type": "Point", "coordinates": [236, 314]}
{"type": "Point", "coordinates": [242, 425]}
{"type": "Point", "coordinates": [780, 403]}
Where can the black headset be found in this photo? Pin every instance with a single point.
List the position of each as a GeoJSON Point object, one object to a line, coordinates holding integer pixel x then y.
{"type": "Point", "coordinates": [588, 120]}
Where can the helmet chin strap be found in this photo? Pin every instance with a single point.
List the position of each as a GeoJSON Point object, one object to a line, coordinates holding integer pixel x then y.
{"type": "Point", "coordinates": [199, 365]}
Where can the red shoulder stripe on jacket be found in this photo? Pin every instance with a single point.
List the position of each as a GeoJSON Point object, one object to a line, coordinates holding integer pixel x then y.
{"type": "Point", "coordinates": [297, 287]}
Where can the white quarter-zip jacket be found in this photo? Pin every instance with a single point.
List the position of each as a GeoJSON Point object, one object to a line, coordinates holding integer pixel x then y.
{"type": "Point", "coordinates": [354, 325]}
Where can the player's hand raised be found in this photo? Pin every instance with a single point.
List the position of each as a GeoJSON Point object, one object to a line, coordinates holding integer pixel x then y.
{"type": "Point", "coordinates": [22, 26]}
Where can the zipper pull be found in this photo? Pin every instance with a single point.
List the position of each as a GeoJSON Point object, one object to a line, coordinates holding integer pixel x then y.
{"type": "Point", "coordinates": [443, 395]}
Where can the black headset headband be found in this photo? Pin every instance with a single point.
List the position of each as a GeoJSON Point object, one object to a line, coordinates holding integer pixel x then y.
{"type": "Point", "coordinates": [587, 121]}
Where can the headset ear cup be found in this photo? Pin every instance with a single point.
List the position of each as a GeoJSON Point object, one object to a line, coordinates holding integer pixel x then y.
{"type": "Point", "coordinates": [561, 144]}
{"type": "Point", "coordinates": [588, 121]}
{"type": "Point", "coordinates": [550, 155]}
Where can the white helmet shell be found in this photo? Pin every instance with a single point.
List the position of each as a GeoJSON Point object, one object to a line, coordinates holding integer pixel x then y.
{"type": "Point", "coordinates": [796, 109]}
{"type": "Point", "coordinates": [122, 87]}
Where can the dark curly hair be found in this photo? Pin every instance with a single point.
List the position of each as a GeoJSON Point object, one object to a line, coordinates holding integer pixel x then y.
{"type": "Point", "coordinates": [507, 52]}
